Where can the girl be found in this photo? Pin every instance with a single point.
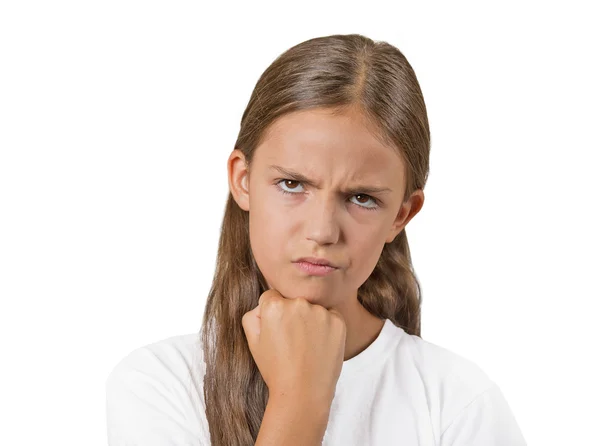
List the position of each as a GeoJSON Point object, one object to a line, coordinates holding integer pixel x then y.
{"type": "Point", "coordinates": [311, 332]}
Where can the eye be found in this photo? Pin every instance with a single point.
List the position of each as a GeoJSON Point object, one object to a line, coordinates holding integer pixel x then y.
{"type": "Point", "coordinates": [287, 181]}
{"type": "Point", "coordinates": [360, 204]}
{"type": "Point", "coordinates": [374, 206]}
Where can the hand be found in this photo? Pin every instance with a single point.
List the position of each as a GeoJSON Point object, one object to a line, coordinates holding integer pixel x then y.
{"type": "Point", "coordinates": [298, 346]}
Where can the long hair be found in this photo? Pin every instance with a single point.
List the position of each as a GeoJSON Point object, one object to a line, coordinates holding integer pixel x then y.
{"type": "Point", "coordinates": [334, 72]}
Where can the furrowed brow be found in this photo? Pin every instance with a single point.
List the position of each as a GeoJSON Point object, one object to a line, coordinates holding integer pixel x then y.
{"type": "Point", "coordinates": [297, 176]}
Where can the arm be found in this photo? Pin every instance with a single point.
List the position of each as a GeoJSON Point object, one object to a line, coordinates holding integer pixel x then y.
{"type": "Point", "coordinates": [293, 420]}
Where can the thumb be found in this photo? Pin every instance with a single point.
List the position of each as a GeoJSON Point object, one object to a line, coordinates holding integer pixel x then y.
{"type": "Point", "coordinates": [251, 326]}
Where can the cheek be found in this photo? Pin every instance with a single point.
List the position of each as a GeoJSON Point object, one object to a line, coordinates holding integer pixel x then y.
{"type": "Point", "coordinates": [267, 239]}
{"type": "Point", "coordinates": [365, 250]}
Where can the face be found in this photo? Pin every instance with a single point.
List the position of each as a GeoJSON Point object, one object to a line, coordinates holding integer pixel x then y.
{"type": "Point", "coordinates": [345, 205]}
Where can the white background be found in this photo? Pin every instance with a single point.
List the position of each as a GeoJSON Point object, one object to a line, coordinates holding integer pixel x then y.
{"type": "Point", "coordinates": [116, 121]}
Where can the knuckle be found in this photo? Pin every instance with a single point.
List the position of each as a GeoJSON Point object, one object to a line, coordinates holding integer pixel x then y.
{"type": "Point", "coordinates": [271, 305]}
{"type": "Point", "coordinates": [304, 306]}
{"type": "Point", "coordinates": [301, 302]}
{"type": "Point", "coordinates": [266, 296]}
{"type": "Point", "coordinates": [321, 312]}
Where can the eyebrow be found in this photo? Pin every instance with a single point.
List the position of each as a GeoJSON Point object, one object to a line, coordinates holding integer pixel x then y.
{"type": "Point", "coordinates": [297, 176]}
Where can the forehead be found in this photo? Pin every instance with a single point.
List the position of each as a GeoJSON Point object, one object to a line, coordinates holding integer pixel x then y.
{"type": "Point", "coordinates": [319, 136]}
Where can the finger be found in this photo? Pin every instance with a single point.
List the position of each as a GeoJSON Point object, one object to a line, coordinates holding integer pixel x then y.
{"type": "Point", "coordinates": [269, 294]}
{"type": "Point", "coordinates": [251, 326]}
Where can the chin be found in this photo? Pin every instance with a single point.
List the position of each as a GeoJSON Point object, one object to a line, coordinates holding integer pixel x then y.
{"type": "Point", "coordinates": [317, 291]}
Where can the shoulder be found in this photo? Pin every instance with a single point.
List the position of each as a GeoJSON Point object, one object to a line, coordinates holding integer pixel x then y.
{"type": "Point", "coordinates": [464, 401]}
{"type": "Point", "coordinates": [486, 419]}
{"type": "Point", "coordinates": [170, 356]}
{"type": "Point", "coordinates": [156, 390]}
{"type": "Point", "coordinates": [445, 366]}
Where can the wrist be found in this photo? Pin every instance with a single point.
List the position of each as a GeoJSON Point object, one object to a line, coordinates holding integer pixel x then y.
{"type": "Point", "coordinates": [317, 406]}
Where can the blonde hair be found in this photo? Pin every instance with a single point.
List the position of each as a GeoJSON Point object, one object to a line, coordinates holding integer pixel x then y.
{"type": "Point", "coordinates": [334, 72]}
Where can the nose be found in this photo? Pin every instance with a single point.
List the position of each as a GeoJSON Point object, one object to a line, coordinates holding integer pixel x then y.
{"type": "Point", "coordinates": [321, 222]}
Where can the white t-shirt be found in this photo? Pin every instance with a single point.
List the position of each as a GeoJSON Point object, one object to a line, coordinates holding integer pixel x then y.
{"type": "Point", "coordinates": [400, 390]}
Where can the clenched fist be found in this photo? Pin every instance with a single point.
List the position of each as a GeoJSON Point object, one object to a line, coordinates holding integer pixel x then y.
{"type": "Point", "coordinates": [298, 346]}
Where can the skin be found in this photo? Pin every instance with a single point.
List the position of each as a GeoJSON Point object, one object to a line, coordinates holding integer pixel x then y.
{"type": "Point", "coordinates": [337, 153]}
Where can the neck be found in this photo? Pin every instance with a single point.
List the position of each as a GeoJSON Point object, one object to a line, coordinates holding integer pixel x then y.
{"type": "Point", "coordinates": [362, 327]}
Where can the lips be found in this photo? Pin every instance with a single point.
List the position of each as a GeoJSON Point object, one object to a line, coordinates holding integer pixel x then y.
{"type": "Point", "coordinates": [316, 261]}
{"type": "Point", "coordinates": [315, 270]}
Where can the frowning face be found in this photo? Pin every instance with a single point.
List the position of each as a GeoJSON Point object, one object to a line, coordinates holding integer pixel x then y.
{"type": "Point", "coordinates": [321, 185]}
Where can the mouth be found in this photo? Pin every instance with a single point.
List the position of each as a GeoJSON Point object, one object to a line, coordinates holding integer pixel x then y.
{"type": "Point", "coordinates": [316, 261]}
{"type": "Point", "coordinates": [313, 269]}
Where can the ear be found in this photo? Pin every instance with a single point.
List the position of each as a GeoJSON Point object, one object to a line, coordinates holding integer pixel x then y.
{"type": "Point", "coordinates": [407, 211]}
{"type": "Point", "coordinates": [238, 174]}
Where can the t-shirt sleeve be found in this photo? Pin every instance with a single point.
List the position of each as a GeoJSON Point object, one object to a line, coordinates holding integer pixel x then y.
{"type": "Point", "coordinates": [146, 406]}
{"type": "Point", "coordinates": [486, 421]}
